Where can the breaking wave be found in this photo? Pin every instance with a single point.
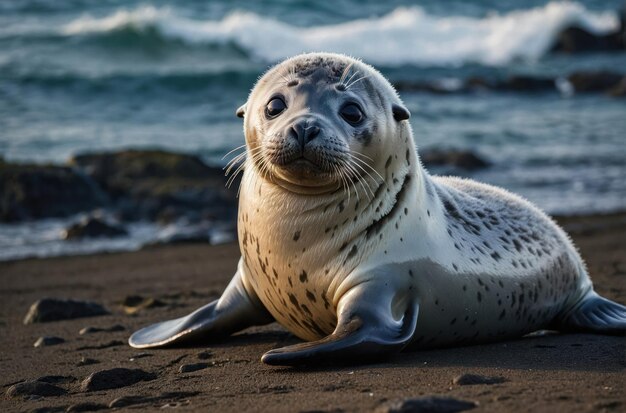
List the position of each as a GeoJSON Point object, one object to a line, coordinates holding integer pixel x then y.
{"type": "Point", "coordinates": [404, 36]}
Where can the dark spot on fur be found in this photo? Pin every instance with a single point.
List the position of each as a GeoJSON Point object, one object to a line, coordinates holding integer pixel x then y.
{"type": "Point", "coordinates": [352, 252]}
{"type": "Point", "coordinates": [388, 163]}
{"type": "Point", "coordinates": [310, 296]}
{"type": "Point", "coordinates": [479, 296]}
{"type": "Point", "coordinates": [303, 276]}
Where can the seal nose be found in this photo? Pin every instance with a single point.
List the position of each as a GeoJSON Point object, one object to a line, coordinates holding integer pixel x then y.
{"type": "Point", "coordinates": [304, 132]}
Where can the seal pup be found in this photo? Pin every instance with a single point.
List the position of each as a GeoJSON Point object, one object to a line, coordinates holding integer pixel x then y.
{"type": "Point", "coordinates": [351, 245]}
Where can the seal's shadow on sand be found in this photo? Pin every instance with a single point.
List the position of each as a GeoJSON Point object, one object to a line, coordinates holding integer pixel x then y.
{"type": "Point", "coordinates": [551, 352]}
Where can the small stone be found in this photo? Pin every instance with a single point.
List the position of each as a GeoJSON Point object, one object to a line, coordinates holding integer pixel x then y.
{"type": "Point", "coordinates": [470, 379]}
{"type": "Point", "coordinates": [86, 407]}
{"type": "Point", "coordinates": [134, 303]}
{"type": "Point", "coordinates": [35, 388]}
{"type": "Point", "coordinates": [115, 378]}
{"type": "Point", "coordinates": [56, 379]}
{"type": "Point", "coordinates": [139, 356]}
{"type": "Point", "coordinates": [188, 368]}
{"type": "Point", "coordinates": [93, 227]}
{"type": "Point", "coordinates": [48, 341]}
{"type": "Point", "coordinates": [54, 309]}
{"type": "Point", "coordinates": [85, 361]}
{"type": "Point", "coordinates": [112, 343]}
{"type": "Point", "coordinates": [204, 355]}
{"type": "Point", "coordinates": [429, 404]}
{"type": "Point", "coordinates": [125, 401]}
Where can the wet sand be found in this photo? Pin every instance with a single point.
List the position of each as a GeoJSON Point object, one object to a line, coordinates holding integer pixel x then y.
{"type": "Point", "coordinates": [551, 373]}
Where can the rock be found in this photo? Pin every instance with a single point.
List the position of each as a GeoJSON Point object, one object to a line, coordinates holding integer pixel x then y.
{"type": "Point", "coordinates": [619, 90]}
{"type": "Point", "coordinates": [31, 191]}
{"type": "Point", "coordinates": [54, 309]}
{"type": "Point", "coordinates": [151, 184]}
{"type": "Point", "coordinates": [204, 355]}
{"type": "Point", "coordinates": [521, 83]}
{"type": "Point", "coordinates": [470, 379]}
{"type": "Point", "coordinates": [115, 378]}
{"type": "Point", "coordinates": [48, 341]}
{"type": "Point", "coordinates": [576, 40]}
{"type": "Point", "coordinates": [458, 158]}
{"type": "Point", "coordinates": [595, 81]}
{"type": "Point", "coordinates": [125, 401]}
{"type": "Point", "coordinates": [35, 388]}
{"type": "Point", "coordinates": [57, 379]}
{"type": "Point", "coordinates": [85, 361]}
{"type": "Point", "coordinates": [90, 330]}
{"type": "Point", "coordinates": [429, 404]}
{"type": "Point", "coordinates": [112, 343]}
{"type": "Point", "coordinates": [86, 407]}
{"type": "Point", "coordinates": [92, 227]}
{"type": "Point", "coordinates": [188, 368]}
{"type": "Point", "coordinates": [134, 303]}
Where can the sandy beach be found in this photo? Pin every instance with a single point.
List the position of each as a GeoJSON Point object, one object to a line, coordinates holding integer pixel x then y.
{"type": "Point", "coordinates": [550, 373]}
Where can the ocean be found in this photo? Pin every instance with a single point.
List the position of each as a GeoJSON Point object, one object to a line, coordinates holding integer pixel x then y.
{"type": "Point", "coordinates": [79, 75]}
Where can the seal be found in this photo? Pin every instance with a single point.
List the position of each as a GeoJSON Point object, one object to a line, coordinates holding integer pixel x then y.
{"type": "Point", "coordinates": [351, 245]}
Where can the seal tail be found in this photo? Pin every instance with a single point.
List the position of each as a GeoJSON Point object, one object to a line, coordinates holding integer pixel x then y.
{"type": "Point", "coordinates": [595, 314]}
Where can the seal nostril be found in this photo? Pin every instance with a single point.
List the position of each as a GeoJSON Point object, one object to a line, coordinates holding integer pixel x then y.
{"type": "Point", "coordinates": [311, 133]}
{"type": "Point", "coordinates": [303, 132]}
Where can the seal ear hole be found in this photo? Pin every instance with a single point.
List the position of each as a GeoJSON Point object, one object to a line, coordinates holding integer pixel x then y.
{"type": "Point", "coordinates": [400, 112]}
{"type": "Point", "coordinates": [241, 111]}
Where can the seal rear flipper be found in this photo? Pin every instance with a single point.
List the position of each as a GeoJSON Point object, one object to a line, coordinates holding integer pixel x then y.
{"type": "Point", "coordinates": [237, 308]}
{"type": "Point", "coordinates": [595, 314]}
{"type": "Point", "coordinates": [367, 328]}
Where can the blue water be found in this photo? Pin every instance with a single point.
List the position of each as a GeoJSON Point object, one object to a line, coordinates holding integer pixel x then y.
{"type": "Point", "coordinates": [79, 75]}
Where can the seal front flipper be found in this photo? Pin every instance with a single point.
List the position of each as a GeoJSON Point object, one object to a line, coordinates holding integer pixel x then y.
{"type": "Point", "coordinates": [237, 308]}
{"type": "Point", "coordinates": [374, 319]}
{"type": "Point", "coordinates": [595, 314]}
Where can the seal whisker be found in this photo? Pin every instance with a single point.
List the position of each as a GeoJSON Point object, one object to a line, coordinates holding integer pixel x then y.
{"type": "Point", "coordinates": [364, 181]}
{"type": "Point", "coordinates": [364, 164]}
{"type": "Point", "coordinates": [345, 73]}
{"type": "Point", "coordinates": [357, 80]}
{"type": "Point", "coordinates": [354, 175]}
{"type": "Point", "coordinates": [234, 150]}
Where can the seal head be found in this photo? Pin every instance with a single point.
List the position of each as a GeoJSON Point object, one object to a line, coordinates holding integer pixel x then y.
{"type": "Point", "coordinates": [310, 122]}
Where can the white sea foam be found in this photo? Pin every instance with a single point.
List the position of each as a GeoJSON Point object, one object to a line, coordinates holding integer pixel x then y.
{"type": "Point", "coordinates": [404, 36]}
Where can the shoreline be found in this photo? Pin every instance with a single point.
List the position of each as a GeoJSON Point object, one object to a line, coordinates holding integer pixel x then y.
{"type": "Point", "coordinates": [569, 372]}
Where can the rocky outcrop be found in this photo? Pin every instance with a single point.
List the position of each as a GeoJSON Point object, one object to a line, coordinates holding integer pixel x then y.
{"type": "Point", "coordinates": [31, 191]}
{"type": "Point", "coordinates": [455, 158]}
{"type": "Point", "coordinates": [575, 39]}
{"type": "Point", "coordinates": [93, 227]}
{"type": "Point", "coordinates": [150, 184]}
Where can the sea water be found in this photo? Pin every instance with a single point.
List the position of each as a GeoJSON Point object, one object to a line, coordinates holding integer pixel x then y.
{"type": "Point", "coordinates": [80, 76]}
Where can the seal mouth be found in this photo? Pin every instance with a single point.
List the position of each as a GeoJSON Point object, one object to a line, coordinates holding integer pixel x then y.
{"type": "Point", "coordinates": [303, 172]}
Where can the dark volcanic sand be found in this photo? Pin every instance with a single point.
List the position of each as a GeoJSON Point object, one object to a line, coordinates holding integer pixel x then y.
{"type": "Point", "coordinates": [554, 373]}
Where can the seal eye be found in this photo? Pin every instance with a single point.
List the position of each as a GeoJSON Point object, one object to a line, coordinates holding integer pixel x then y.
{"type": "Point", "coordinates": [275, 107]}
{"type": "Point", "coordinates": [352, 114]}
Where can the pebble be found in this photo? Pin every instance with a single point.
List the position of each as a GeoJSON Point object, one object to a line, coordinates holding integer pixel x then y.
{"type": "Point", "coordinates": [204, 355]}
{"type": "Point", "coordinates": [470, 379]}
{"type": "Point", "coordinates": [48, 341]}
{"type": "Point", "coordinates": [429, 404]}
{"type": "Point", "coordinates": [89, 330]}
{"type": "Point", "coordinates": [135, 303]}
{"type": "Point", "coordinates": [127, 401]}
{"type": "Point", "coordinates": [54, 309]}
{"type": "Point", "coordinates": [115, 378]}
{"type": "Point", "coordinates": [188, 368]}
{"type": "Point", "coordinates": [86, 361]}
{"type": "Point", "coordinates": [86, 407]}
{"type": "Point", "coordinates": [35, 388]}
